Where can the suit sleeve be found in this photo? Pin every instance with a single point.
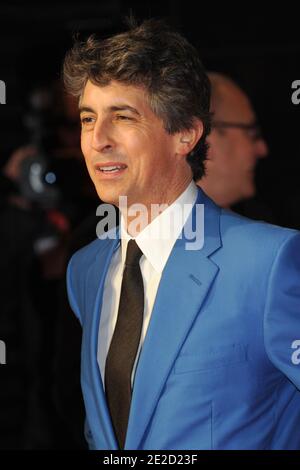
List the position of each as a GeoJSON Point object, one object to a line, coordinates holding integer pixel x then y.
{"type": "Point", "coordinates": [88, 436]}
{"type": "Point", "coordinates": [282, 310]}
{"type": "Point", "coordinates": [71, 290]}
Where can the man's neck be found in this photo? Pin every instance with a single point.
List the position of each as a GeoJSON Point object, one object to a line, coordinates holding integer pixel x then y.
{"type": "Point", "coordinates": [137, 216]}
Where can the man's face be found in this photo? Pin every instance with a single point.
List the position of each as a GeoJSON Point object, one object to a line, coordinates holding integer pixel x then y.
{"type": "Point", "coordinates": [233, 151]}
{"type": "Point", "coordinates": [126, 148]}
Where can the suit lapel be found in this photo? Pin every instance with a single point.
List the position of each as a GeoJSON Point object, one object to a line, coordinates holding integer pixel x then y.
{"type": "Point", "coordinates": [185, 282]}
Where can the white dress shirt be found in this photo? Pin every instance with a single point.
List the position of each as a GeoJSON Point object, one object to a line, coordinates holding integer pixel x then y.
{"type": "Point", "coordinates": [156, 241]}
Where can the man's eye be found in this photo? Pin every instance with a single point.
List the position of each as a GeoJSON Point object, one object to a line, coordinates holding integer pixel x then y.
{"type": "Point", "coordinates": [86, 120]}
{"type": "Point", "coordinates": [121, 117]}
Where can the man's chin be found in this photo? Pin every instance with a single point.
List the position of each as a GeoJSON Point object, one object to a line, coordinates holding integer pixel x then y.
{"type": "Point", "coordinates": [108, 197]}
{"type": "Point", "coordinates": [249, 190]}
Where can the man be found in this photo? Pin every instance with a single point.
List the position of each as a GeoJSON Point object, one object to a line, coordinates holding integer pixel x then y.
{"type": "Point", "coordinates": [235, 144]}
{"type": "Point", "coordinates": [182, 348]}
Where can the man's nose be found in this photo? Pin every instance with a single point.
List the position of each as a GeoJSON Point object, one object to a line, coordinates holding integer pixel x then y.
{"type": "Point", "coordinates": [102, 137]}
{"type": "Point", "coordinates": [261, 148]}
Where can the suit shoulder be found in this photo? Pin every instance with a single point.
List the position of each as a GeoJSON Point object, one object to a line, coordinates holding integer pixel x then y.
{"type": "Point", "coordinates": [235, 226]}
{"type": "Point", "coordinates": [87, 254]}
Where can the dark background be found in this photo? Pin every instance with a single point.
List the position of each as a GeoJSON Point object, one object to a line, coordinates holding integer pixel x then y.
{"type": "Point", "coordinates": [40, 404]}
{"type": "Point", "coordinates": [257, 45]}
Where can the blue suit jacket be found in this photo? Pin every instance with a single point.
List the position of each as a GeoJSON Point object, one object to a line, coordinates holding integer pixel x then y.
{"type": "Point", "coordinates": [219, 368]}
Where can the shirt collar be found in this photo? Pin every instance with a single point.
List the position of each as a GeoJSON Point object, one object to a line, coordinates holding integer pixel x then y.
{"type": "Point", "coordinates": [157, 239]}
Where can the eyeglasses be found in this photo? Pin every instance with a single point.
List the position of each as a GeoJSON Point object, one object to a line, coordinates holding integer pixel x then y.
{"type": "Point", "coordinates": [253, 129]}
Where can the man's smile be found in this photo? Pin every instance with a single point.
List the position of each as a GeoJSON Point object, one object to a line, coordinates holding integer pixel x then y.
{"type": "Point", "coordinates": [110, 169]}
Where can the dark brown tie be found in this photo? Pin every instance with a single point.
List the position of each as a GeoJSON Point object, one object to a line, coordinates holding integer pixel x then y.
{"type": "Point", "coordinates": [124, 344]}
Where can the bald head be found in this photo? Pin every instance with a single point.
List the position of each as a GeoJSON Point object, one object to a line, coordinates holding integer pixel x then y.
{"type": "Point", "coordinates": [233, 148]}
{"type": "Point", "coordinates": [227, 99]}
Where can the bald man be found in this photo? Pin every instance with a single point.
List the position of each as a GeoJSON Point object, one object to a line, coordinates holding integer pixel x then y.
{"type": "Point", "coordinates": [235, 144]}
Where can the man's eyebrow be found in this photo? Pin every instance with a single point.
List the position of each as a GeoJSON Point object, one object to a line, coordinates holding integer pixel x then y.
{"type": "Point", "coordinates": [88, 109]}
{"type": "Point", "coordinates": [121, 107]}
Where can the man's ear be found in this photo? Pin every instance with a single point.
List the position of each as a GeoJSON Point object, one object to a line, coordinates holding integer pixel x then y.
{"type": "Point", "coordinates": [188, 138]}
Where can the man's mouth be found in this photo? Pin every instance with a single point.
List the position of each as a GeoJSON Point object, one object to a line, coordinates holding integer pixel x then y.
{"type": "Point", "coordinates": [110, 167]}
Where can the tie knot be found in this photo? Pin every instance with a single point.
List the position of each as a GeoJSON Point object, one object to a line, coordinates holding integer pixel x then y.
{"type": "Point", "coordinates": [133, 254]}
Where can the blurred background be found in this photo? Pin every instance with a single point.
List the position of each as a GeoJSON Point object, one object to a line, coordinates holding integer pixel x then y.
{"type": "Point", "coordinates": [48, 206]}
